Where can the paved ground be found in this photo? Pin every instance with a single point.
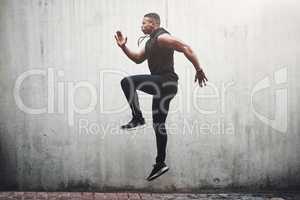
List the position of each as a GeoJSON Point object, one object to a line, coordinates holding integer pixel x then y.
{"type": "Point", "coordinates": [143, 196]}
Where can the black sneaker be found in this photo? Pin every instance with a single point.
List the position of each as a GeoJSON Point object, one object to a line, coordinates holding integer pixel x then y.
{"type": "Point", "coordinates": [158, 170]}
{"type": "Point", "coordinates": [135, 123]}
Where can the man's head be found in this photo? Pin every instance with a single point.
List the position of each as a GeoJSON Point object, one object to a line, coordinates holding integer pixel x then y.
{"type": "Point", "coordinates": [151, 21]}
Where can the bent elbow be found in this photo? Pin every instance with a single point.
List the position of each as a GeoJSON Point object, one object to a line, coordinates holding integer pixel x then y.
{"type": "Point", "coordinates": [138, 61]}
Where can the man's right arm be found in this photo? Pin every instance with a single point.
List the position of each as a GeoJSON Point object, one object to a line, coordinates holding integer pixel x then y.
{"type": "Point", "coordinates": [137, 57]}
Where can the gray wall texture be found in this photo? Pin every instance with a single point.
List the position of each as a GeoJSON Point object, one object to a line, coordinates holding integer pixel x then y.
{"type": "Point", "coordinates": [61, 103]}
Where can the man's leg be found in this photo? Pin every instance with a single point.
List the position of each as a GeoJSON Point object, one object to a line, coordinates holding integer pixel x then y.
{"type": "Point", "coordinates": [146, 83]}
{"type": "Point", "coordinates": [159, 119]}
{"type": "Point", "coordinates": [160, 108]}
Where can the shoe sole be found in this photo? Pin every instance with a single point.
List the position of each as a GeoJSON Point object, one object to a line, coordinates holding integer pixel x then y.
{"type": "Point", "coordinates": [159, 173]}
{"type": "Point", "coordinates": [135, 128]}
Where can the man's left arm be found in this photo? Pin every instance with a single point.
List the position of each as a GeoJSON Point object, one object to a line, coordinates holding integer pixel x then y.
{"type": "Point", "coordinates": [166, 40]}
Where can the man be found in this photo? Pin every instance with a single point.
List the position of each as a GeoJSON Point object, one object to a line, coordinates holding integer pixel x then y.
{"type": "Point", "coordinates": [162, 83]}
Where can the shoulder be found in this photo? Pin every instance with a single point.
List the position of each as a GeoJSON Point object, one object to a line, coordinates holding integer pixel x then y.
{"type": "Point", "coordinates": [163, 34]}
{"type": "Point", "coordinates": [163, 31]}
{"type": "Point", "coordinates": [165, 38]}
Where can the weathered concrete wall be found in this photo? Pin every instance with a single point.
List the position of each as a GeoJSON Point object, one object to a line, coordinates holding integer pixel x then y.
{"type": "Point", "coordinates": [61, 103]}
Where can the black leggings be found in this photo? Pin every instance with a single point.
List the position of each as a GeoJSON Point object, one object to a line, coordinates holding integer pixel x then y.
{"type": "Point", "coordinates": [163, 93]}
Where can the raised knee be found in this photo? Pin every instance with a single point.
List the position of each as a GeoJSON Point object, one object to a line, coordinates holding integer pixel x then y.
{"type": "Point", "coordinates": [124, 82]}
{"type": "Point", "coordinates": [154, 125]}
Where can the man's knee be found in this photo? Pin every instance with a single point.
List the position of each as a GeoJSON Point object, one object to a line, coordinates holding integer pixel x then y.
{"type": "Point", "coordinates": [170, 88]}
{"type": "Point", "coordinates": [159, 127]}
{"type": "Point", "coordinates": [125, 82]}
{"type": "Point", "coordinates": [154, 125]}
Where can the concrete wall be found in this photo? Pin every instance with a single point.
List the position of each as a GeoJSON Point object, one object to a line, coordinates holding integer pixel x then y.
{"type": "Point", "coordinates": [61, 103]}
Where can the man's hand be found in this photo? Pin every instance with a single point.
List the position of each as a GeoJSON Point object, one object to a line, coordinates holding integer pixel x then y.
{"type": "Point", "coordinates": [201, 77]}
{"type": "Point", "coordinates": [120, 39]}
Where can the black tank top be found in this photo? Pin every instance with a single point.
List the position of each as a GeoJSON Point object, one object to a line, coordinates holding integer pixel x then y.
{"type": "Point", "coordinates": [160, 59]}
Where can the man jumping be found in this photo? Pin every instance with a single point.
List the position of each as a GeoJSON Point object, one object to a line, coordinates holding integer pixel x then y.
{"type": "Point", "coordinates": [162, 83]}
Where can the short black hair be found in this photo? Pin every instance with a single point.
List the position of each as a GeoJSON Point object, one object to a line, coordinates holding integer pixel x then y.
{"type": "Point", "coordinates": [154, 16]}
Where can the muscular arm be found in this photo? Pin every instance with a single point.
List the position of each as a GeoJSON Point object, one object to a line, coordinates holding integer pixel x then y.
{"type": "Point", "coordinates": [166, 40]}
{"type": "Point", "coordinates": [137, 57]}
{"type": "Point", "coordinates": [169, 41]}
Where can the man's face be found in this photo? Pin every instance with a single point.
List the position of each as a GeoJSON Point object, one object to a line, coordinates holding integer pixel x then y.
{"type": "Point", "coordinates": [147, 25]}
